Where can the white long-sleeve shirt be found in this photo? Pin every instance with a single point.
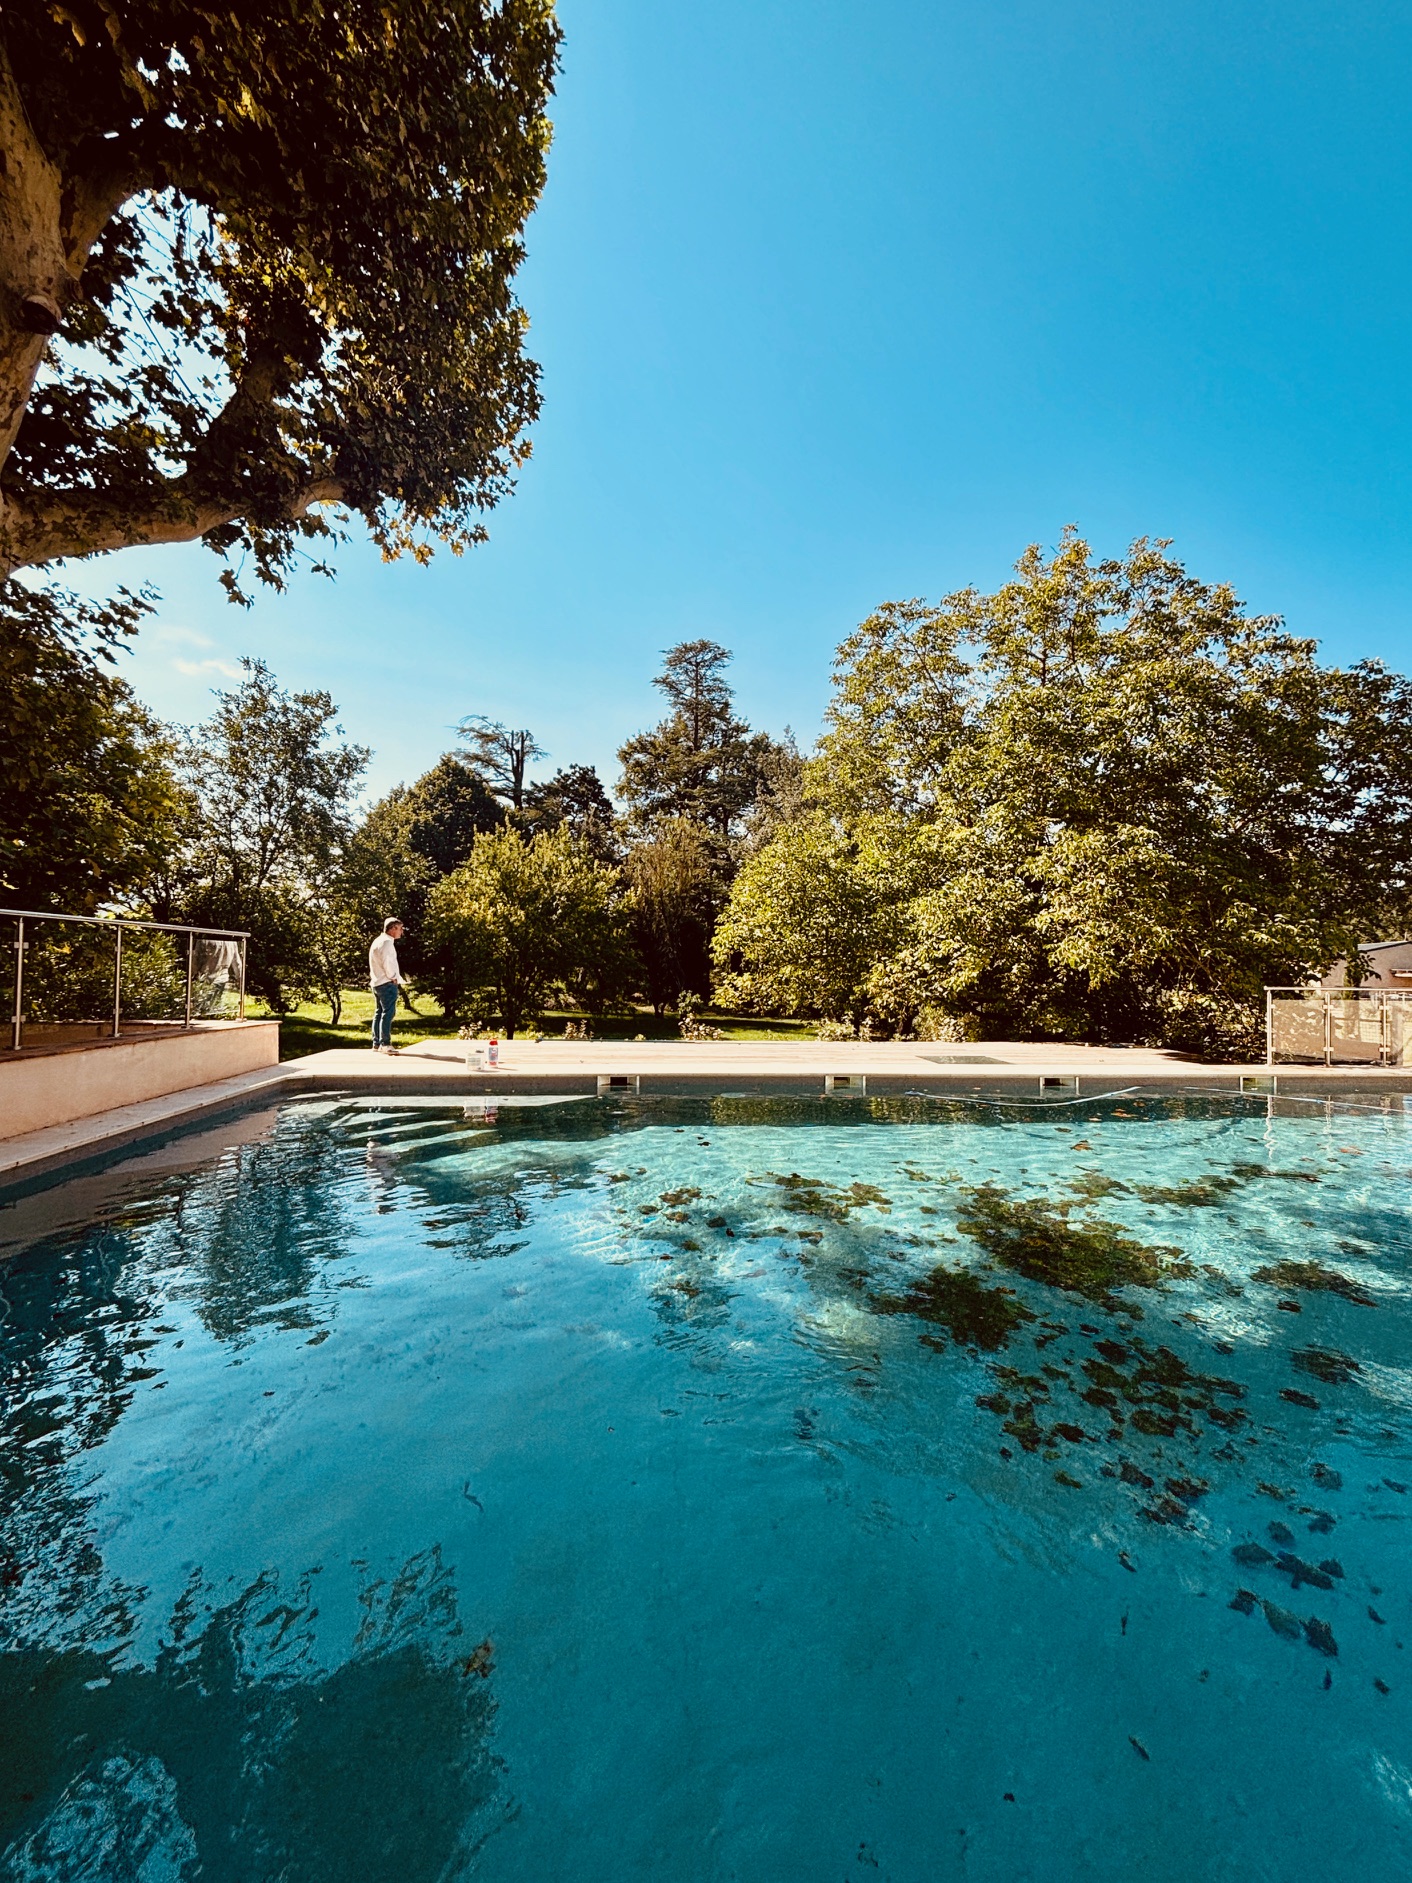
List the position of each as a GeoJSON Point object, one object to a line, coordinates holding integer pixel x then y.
{"type": "Point", "coordinates": [382, 962]}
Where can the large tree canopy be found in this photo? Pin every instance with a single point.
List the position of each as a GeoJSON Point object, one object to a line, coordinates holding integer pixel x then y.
{"type": "Point", "coordinates": [522, 918]}
{"type": "Point", "coordinates": [1103, 801]}
{"type": "Point", "coordinates": [256, 260]}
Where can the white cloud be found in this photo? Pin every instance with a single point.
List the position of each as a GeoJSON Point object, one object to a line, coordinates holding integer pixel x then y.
{"type": "Point", "coordinates": [195, 668]}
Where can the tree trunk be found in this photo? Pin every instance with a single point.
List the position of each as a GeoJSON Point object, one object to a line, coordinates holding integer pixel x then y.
{"type": "Point", "coordinates": [35, 281]}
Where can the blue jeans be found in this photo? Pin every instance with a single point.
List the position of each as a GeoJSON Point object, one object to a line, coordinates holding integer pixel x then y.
{"type": "Point", "coordinates": [386, 998]}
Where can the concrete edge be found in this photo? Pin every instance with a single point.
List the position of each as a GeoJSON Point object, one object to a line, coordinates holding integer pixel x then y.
{"type": "Point", "coordinates": [92, 1139]}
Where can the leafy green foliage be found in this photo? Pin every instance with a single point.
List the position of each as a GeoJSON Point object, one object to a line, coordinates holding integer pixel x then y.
{"type": "Point", "coordinates": [90, 805]}
{"type": "Point", "coordinates": [272, 816]}
{"type": "Point", "coordinates": [449, 808]}
{"type": "Point", "coordinates": [808, 915]}
{"type": "Point", "coordinates": [700, 788]}
{"type": "Point", "coordinates": [277, 244]}
{"type": "Point", "coordinates": [575, 797]}
{"type": "Point", "coordinates": [1102, 802]}
{"type": "Point", "coordinates": [521, 919]}
{"type": "Point", "coordinates": [673, 895]}
{"type": "Point", "coordinates": [403, 845]}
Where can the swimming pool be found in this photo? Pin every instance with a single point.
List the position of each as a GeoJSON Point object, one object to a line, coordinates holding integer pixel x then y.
{"type": "Point", "coordinates": [720, 1489]}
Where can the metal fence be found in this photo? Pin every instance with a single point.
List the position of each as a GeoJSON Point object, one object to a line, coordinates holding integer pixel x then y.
{"type": "Point", "coordinates": [1339, 1026]}
{"type": "Point", "coordinates": [77, 978]}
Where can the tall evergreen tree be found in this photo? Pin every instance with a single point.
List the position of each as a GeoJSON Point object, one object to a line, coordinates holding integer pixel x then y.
{"type": "Point", "coordinates": [575, 797]}
{"type": "Point", "coordinates": [702, 762]}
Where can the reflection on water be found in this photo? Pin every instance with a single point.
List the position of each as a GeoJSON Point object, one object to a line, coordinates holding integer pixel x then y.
{"type": "Point", "coordinates": [722, 1488]}
{"type": "Point", "coordinates": [235, 1755]}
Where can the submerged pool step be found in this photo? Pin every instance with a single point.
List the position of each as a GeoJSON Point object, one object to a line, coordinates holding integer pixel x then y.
{"type": "Point", "coordinates": [395, 1131]}
{"type": "Point", "coordinates": [412, 1150]}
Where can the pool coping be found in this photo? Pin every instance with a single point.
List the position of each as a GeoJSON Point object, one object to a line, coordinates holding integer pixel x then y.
{"type": "Point", "coordinates": [86, 1139]}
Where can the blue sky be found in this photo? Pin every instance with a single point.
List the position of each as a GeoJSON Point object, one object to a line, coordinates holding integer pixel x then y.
{"type": "Point", "coordinates": [837, 303]}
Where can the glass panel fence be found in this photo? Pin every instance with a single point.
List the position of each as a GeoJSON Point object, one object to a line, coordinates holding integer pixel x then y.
{"type": "Point", "coordinates": [1355, 1032]}
{"type": "Point", "coordinates": [1296, 1028]}
{"type": "Point", "coordinates": [79, 981]}
{"type": "Point", "coordinates": [70, 983]}
{"type": "Point", "coordinates": [1342, 1027]}
{"type": "Point", "coordinates": [1399, 1033]}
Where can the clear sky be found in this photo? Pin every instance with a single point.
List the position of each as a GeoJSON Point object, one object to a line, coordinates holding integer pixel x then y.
{"type": "Point", "coordinates": [841, 302]}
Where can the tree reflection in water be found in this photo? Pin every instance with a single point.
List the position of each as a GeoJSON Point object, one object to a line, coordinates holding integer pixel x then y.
{"type": "Point", "coordinates": [236, 1754]}
{"type": "Point", "coordinates": [245, 1241]}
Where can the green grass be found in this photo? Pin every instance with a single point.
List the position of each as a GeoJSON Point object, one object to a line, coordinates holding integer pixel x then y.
{"type": "Point", "coordinates": [307, 1029]}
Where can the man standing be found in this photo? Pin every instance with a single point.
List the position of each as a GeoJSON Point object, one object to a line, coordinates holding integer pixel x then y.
{"type": "Point", "coordinates": [386, 978]}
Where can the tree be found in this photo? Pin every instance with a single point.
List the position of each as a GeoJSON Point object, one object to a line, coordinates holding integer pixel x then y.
{"type": "Point", "coordinates": [1101, 802]}
{"type": "Point", "coordinates": [500, 756]}
{"type": "Point", "coordinates": [807, 920]}
{"type": "Point", "coordinates": [404, 844]}
{"type": "Point", "coordinates": [575, 797]}
{"type": "Point", "coordinates": [521, 918]}
{"type": "Point", "coordinates": [701, 762]}
{"type": "Point", "coordinates": [335, 942]}
{"type": "Point", "coordinates": [256, 261]}
{"type": "Point", "coordinates": [90, 804]}
{"type": "Point", "coordinates": [273, 815]}
{"type": "Point", "coordinates": [781, 794]}
{"type": "Point", "coordinates": [674, 893]}
{"type": "Point", "coordinates": [450, 807]}
{"type": "Point", "coordinates": [692, 785]}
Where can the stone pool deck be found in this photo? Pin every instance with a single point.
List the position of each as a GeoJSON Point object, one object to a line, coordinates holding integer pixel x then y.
{"type": "Point", "coordinates": [680, 1068]}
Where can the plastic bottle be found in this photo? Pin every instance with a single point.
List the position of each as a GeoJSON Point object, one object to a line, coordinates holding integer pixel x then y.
{"type": "Point", "coordinates": [493, 1054]}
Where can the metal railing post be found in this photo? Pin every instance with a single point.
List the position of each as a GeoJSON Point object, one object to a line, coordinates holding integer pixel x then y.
{"type": "Point", "coordinates": [17, 1023]}
{"type": "Point", "coordinates": [1328, 1030]}
{"type": "Point", "coordinates": [240, 1015]}
{"type": "Point", "coordinates": [1269, 1028]}
{"type": "Point", "coordinates": [190, 964]}
{"type": "Point", "coordinates": [118, 982]}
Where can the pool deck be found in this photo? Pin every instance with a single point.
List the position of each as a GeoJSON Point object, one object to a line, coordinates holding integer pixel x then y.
{"type": "Point", "coordinates": [680, 1068]}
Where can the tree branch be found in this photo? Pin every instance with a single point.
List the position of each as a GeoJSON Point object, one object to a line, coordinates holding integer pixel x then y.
{"type": "Point", "coordinates": [89, 523]}
{"type": "Point", "coordinates": [81, 522]}
{"type": "Point", "coordinates": [93, 197]}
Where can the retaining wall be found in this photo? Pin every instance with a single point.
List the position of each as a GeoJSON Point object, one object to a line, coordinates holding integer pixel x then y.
{"type": "Point", "coordinates": [55, 1087]}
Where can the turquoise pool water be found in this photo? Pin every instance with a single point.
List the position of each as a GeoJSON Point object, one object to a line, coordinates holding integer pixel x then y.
{"type": "Point", "coordinates": [714, 1490]}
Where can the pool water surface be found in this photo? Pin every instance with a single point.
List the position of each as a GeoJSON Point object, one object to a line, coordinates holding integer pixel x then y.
{"type": "Point", "coordinates": [722, 1489]}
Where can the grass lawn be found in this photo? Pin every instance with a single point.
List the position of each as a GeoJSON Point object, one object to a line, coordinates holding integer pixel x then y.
{"type": "Point", "coordinates": [306, 1029]}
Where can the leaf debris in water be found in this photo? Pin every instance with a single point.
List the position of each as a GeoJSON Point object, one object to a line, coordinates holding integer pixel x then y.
{"type": "Point", "coordinates": [973, 1314]}
{"type": "Point", "coordinates": [1037, 1239]}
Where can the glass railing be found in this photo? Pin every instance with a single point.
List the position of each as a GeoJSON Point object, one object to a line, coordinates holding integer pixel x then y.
{"type": "Point", "coordinates": [1338, 1026]}
{"type": "Point", "coordinates": [73, 979]}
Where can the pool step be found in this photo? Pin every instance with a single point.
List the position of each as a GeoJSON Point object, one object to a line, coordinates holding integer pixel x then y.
{"type": "Point", "coordinates": [396, 1131]}
{"type": "Point", "coordinates": [445, 1143]}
